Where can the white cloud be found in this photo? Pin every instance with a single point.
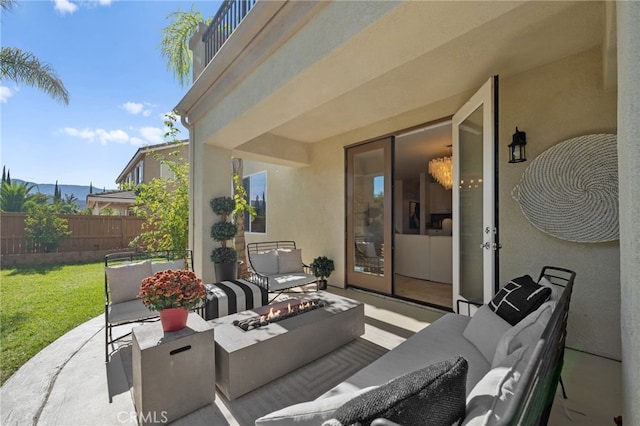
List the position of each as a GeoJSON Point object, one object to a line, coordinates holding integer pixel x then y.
{"type": "Point", "coordinates": [133, 107]}
{"type": "Point", "coordinates": [154, 135]}
{"type": "Point", "coordinates": [5, 94]}
{"type": "Point", "coordinates": [117, 136]}
{"type": "Point", "coordinates": [136, 108]}
{"type": "Point", "coordinates": [149, 135]}
{"type": "Point", "coordinates": [83, 134]}
{"type": "Point", "coordinates": [101, 135]}
{"type": "Point", "coordinates": [65, 6]}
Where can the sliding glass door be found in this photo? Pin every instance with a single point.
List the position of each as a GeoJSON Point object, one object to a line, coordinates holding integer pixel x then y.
{"type": "Point", "coordinates": [369, 217]}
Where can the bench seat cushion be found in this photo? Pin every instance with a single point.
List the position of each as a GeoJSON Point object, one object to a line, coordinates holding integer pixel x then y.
{"type": "Point", "coordinates": [229, 297]}
{"type": "Point", "coordinates": [284, 281]}
{"type": "Point", "coordinates": [120, 313]}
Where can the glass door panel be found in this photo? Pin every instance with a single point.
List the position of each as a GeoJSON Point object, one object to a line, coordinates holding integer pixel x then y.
{"type": "Point", "coordinates": [474, 198]}
{"type": "Point", "coordinates": [470, 207]}
{"type": "Point", "coordinates": [369, 216]}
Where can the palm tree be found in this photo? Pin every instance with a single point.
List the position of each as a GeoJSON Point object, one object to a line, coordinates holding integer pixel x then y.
{"type": "Point", "coordinates": [174, 45]}
{"type": "Point", "coordinates": [23, 67]}
{"type": "Point", "coordinates": [15, 196]}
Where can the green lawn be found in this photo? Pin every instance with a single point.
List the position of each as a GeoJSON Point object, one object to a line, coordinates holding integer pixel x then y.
{"type": "Point", "coordinates": [38, 304]}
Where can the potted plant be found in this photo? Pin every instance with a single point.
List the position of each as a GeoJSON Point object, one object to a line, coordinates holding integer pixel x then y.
{"type": "Point", "coordinates": [225, 258]}
{"type": "Point", "coordinates": [173, 293]}
{"type": "Point", "coordinates": [322, 267]}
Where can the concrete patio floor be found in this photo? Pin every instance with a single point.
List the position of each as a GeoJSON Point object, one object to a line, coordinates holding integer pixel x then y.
{"type": "Point", "coordinates": [68, 382]}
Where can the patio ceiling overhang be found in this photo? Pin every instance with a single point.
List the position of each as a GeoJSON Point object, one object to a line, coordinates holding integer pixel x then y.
{"type": "Point", "coordinates": [357, 70]}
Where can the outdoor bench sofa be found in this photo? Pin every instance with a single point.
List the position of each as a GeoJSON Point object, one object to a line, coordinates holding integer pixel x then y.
{"type": "Point", "coordinates": [124, 272]}
{"type": "Point", "coordinates": [478, 370]}
{"type": "Point", "coordinates": [277, 266]}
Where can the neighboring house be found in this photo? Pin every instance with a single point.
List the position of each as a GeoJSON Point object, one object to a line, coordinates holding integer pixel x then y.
{"type": "Point", "coordinates": [114, 202]}
{"type": "Point", "coordinates": [327, 98]}
{"type": "Point", "coordinates": [143, 167]}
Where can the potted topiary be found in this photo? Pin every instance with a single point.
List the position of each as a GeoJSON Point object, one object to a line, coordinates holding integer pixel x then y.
{"type": "Point", "coordinates": [322, 267]}
{"type": "Point", "coordinates": [225, 258]}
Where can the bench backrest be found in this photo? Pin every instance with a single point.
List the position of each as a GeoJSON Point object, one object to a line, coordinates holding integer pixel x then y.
{"type": "Point", "coordinates": [156, 258]}
{"type": "Point", "coordinates": [270, 245]}
{"type": "Point", "coordinates": [264, 247]}
{"type": "Point", "coordinates": [534, 396]}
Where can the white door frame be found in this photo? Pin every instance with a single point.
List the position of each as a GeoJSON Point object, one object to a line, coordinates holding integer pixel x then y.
{"type": "Point", "coordinates": [486, 98]}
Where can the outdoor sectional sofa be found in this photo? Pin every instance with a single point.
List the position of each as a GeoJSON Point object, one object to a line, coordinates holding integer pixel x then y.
{"type": "Point", "coordinates": [499, 367]}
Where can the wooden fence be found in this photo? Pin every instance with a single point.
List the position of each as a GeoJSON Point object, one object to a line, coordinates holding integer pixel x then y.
{"type": "Point", "coordinates": [88, 233]}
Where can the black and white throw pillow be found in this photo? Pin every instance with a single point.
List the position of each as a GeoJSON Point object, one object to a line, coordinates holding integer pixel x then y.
{"type": "Point", "coordinates": [518, 298]}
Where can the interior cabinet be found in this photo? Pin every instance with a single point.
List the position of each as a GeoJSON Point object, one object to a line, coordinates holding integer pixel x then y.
{"type": "Point", "coordinates": [440, 258]}
{"type": "Point", "coordinates": [440, 200]}
{"type": "Point", "coordinates": [424, 257]}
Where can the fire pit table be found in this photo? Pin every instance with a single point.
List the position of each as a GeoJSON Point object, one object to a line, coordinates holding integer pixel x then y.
{"type": "Point", "coordinates": [251, 351]}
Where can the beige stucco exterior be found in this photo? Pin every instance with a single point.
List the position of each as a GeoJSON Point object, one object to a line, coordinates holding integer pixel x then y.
{"type": "Point", "coordinates": [143, 167]}
{"type": "Point", "coordinates": [339, 73]}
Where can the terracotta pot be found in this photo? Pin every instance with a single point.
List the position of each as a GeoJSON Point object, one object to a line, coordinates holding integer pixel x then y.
{"type": "Point", "coordinates": [173, 319]}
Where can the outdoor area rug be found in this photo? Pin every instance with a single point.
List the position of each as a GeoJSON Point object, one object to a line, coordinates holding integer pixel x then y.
{"type": "Point", "coordinates": [304, 384]}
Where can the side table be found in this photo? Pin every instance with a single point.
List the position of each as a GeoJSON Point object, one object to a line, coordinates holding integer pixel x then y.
{"type": "Point", "coordinates": [173, 372]}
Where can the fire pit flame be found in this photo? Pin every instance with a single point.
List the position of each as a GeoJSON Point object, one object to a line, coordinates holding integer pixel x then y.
{"type": "Point", "coordinates": [276, 314]}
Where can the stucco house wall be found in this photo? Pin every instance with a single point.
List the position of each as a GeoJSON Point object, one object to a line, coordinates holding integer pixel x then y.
{"type": "Point", "coordinates": [299, 81]}
{"type": "Point", "coordinates": [551, 103]}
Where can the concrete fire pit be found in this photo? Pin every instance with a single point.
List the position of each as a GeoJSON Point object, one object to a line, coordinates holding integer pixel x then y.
{"type": "Point", "coordinates": [246, 360]}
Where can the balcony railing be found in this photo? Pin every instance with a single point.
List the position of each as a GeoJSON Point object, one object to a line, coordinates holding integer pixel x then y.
{"type": "Point", "coordinates": [227, 19]}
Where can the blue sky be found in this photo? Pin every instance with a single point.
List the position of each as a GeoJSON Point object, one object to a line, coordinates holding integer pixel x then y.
{"type": "Point", "coordinates": [107, 54]}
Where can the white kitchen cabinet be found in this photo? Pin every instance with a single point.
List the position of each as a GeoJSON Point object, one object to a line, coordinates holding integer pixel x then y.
{"type": "Point", "coordinates": [412, 255]}
{"type": "Point", "coordinates": [440, 257]}
{"type": "Point", "coordinates": [424, 257]}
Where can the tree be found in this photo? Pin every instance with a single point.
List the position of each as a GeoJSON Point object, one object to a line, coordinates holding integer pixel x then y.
{"type": "Point", "coordinates": [68, 205]}
{"type": "Point", "coordinates": [174, 45]}
{"type": "Point", "coordinates": [44, 227]}
{"type": "Point", "coordinates": [164, 203]}
{"type": "Point", "coordinates": [56, 193]}
{"type": "Point", "coordinates": [24, 67]}
{"type": "Point", "coordinates": [15, 197]}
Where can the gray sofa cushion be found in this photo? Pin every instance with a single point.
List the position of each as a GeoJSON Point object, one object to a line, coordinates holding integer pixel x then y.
{"type": "Point", "coordinates": [310, 413]}
{"type": "Point", "coordinates": [290, 261]}
{"type": "Point", "coordinates": [174, 265]}
{"type": "Point", "coordinates": [498, 383]}
{"type": "Point", "coordinates": [124, 280]}
{"type": "Point", "coordinates": [265, 263]}
{"type": "Point", "coordinates": [485, 330]}
{"type": "Point", "coordinates": [434, 395]}
{"type": "Point", "coordinates": [525, 333]}
{"type": "Point", "coordinates": [284, 281]}
{"type": "Point", "coordinates": [434, 343]}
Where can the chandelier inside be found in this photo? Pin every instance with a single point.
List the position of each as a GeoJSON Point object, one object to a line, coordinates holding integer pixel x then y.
{"type": "Point", "coordinates": [442, 171]}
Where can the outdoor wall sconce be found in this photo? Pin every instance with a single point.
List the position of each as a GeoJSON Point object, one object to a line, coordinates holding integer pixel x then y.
{"type": "Point", "coordinates": [516, 147]}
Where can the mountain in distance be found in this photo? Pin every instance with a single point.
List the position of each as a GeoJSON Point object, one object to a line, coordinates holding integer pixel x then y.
{"type": "Point", "coordinates": [79, 191]}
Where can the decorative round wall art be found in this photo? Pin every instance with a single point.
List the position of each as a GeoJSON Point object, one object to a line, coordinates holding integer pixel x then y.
{"type": "Point", "coordinates": [570, 191]}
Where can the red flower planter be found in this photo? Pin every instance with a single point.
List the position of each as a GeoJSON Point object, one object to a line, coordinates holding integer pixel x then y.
{"type": "Point", "coordinates": [173, 319]}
